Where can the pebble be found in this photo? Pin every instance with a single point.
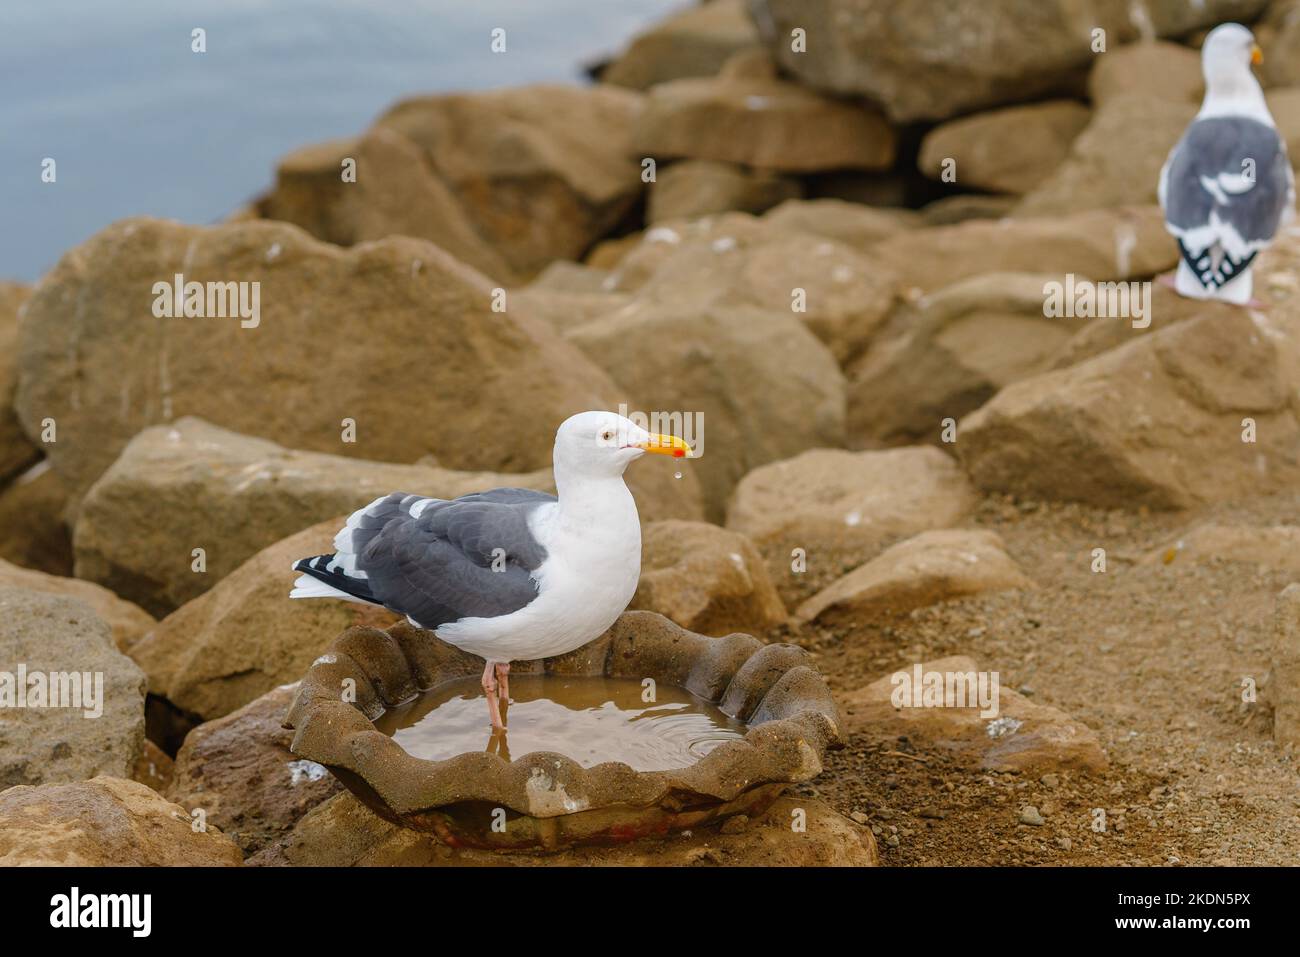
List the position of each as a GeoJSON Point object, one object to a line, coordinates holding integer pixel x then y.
{"type": "Point", "coordinates": [1049, 780]}
{"type": "Point", "coordinates": [1029, 815]}
{"type": "Point", "coordinates": [859, 818]}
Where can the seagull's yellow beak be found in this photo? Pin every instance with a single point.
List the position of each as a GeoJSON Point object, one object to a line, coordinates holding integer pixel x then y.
{"type": "Point", "coordinates": [1256, 55]}
{"type": "Point", "coordinates": [666, 445]}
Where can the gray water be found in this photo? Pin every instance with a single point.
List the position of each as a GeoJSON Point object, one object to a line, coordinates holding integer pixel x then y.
{"type": "Point", "coordinates": [140, 125]}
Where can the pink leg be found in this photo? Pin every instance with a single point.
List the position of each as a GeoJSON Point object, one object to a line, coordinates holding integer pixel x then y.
{"type": "Point", "coordinates": [490, 689]}
{"type": "Point", "coordinates": [1166, 279]}
{"type": "Point", "coordinates": [503, 680]}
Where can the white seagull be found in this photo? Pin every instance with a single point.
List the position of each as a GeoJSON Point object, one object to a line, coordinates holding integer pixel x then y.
{"type": "Point", "coordinates": [1227, 187]}
{"type": "Point", "coordinates": [509, 574]}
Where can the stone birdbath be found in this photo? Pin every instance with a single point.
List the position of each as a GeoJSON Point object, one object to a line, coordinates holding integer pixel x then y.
{"type": "Point", "coordinates": [545, 800]}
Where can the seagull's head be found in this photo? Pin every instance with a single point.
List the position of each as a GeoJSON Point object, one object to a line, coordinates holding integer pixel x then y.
{"type": "Point", "coordinates": [1228, 53]}
{"type": "Point", "coordinates": [605, 443]}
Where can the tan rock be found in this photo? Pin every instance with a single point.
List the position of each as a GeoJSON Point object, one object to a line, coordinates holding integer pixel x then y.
{"type": "Point", "coordinates": [1022, 736]}
{"type": "Point", "coordinates": [73, 704]}
{"type": "Point", "coordinates": [1274, 546]}
{"type": "Point", "coordinates": [1157, 68]}
{"type": "Point", "coordinates": [1102, 244]}
{"type": "Point", "coordinates": [16, 450]}
{"type": "Point", "coordinates": [840, 509]}
{"type": "Point", "coordinates": [565, 310]}
{"type": "Point", "coordinates": [104, 822]}
{"type": "Point", "coordinates": [926, 569]}
{"type": "Point", "coordinates": [694, 42]}
{"type": "Point", "coordinates": [1096, 174]}
{"type": "Point", "coordinates": [963, 207]}
{"type": "Point", "coordinates": [1011, 150]}
{"type": "Point", "coordinates": [458, 394]}
{"type": "Point", "coordinates": [240, 772]}
{"type": "Point", "coordinates": [948, 353]}
{"type": "Point", "coordinates": [762, 123]}
{"type": "Point", "coordinates": [1278, 34]}
{"type": "Point", "coordinates": [31, 513]}
{"type": "Point", "coordinates": [1157, 422]}
{"type": "Point", "coordinates": [855, 225]}
{"type": "Point", "coordinates": [1284, 105]}
{"type": "Point", "coordinates": [245, 637]}
{"type": "Point", "coordinates": [707, 579]}
{"type": "Point", "coordinates": [193, 485]}
{"type": "Point", "coordinates": [126, 621]}
{"type": "Point", "coordinates": [762, 383]}
{"type": "Point", "coordinates": [343, 833]}
{"type": "Point", "coordinates": [1284, 680]}
{"type": "Point", "coordinates": [694, 188]}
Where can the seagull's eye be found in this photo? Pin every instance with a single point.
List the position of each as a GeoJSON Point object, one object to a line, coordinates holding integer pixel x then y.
{"type": "Point", "coordinates": [607, 435]}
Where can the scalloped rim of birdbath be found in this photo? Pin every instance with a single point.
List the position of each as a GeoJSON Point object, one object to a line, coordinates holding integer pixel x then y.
{"type": "Point", "coordinates": [547, 800]}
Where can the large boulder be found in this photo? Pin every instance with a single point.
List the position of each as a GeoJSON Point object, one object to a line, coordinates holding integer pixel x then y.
{"type": "Point", "coordinates": [507, 179]}
{"type": "Point", "coordinates": [1096, 174]}
{"type": "Point", "coordinates": [1161, 421]}
{"type": "Point", "coordinates": [854, 224]}
{"type": "Point", "coordinates": [950, 352]}
{"type": "Point", "coordinates": [127, 622]}
{"type": "Point", "coordinates": [1157, 68]}
{"type": "Point", "coordinates": [16, 450]}
{"type": "Point", "coordinates": [972, 56]}
{"type": "Point", "coordinates": [733, 260]}
{"type": "Point", "coordinates": [193, 485]}
{"type": "Point", "coordinates": [695, 188]}
{"type": "Point", "coordinates": [762, 122]}
{"type": "Point", "coordinates": [245, 636]}
{"type": "Point", "coordinates": [1101, 244]}
{"type": "Point", "coordinates": [104, 822]}
{"type": "Point", "coordinates": [707, 579]}
{"type": "Point", "coordinates": [240, 772]}
{"type": "Point", "coordinates": [926, 569]}
{"type": "Point", "coordinates": [342, 832]}
{"type": "Point", "coordinates": [395, 336]}
{"type": "Point", "coordinates": [763, 386]}
{"type": "Point", "coordinates": [73, 704]}
{"type": "Point", "coordinates": [1022, 735]}
{"type": "Point", "coordinates": [1011, 150]}
{"type": "Point", "coordinates": [820, 514]}
{"type": "Point", "coordinates": [696, 41]}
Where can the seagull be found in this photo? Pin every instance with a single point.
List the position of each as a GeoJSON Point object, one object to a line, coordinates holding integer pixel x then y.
{"type": "Point", "coordinates": [510, 574]}
{"type": "Point", "coordinates": [1227, 187]}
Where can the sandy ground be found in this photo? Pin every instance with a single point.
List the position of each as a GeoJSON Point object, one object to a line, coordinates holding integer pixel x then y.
{"type": "Point", "coordinates": [1150, 656]}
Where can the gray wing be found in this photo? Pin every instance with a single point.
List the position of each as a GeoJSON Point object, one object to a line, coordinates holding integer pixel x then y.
{"type": "Point", "coordinates": [438, 561]}
{"type": "Point", "coordinates": [1236, 168]}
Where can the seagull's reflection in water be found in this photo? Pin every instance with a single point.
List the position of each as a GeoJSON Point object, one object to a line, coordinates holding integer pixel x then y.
{"type": "Point", "coordinates": [588, 719]}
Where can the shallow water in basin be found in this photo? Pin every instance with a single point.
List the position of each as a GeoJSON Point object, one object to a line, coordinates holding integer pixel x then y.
{"type": "Point", "coordinates": [590, 720]}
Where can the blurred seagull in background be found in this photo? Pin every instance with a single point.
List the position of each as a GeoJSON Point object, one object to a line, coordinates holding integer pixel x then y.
{"type": "Point", "coordinates": [1227, 187]}
{"type": "Point", "coordinates": [510, 574]}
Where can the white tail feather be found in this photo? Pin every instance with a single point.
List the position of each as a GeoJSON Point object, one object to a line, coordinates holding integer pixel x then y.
{"type": "Point", "coordinates": [308, 587]}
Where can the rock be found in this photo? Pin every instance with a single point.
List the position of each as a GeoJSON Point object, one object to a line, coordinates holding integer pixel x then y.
{"type": "Point", "coordinates": [974, 56]}
{"type": "Point", "coordinates": [459, 394]}
{"type": "Point", "coordinates": [694, 42]}
{"type": "Point", "coordinates": [1011, 150]}
{"type": "Point", "coordinates": [1278, 34]}
{"type": "Point", "coordinates": [1283, 689]}
{"type": "Point", "coordinates": [127, 622]}
{"type": "Point", "coordinates": [963, 207]}
{"type": "Point", "coordinates": [1031, 816]}
{"type": "Point", "coordinates": [240, 772]}
{"type": "Point", "coordinates": [1102, 244]}
{"type": "Point", "coordinates": [1023, 736]}
{"type": "Point", "coordinates": [695, 188]}
{"type": "Point", "coordinates": [396, 191]}
{"type": "Point", "coordinates": [508, 180]}
{"type": "Point", "coordinates": [16, 451]}
{"type": "Point", "coordinates": [31, 513]}
{"type": "Point", "coordinates": [853, 224]}
{"type": "Point", "coordinates": [760, 380]}
{"type": "Point", "coordinates": [245, 637]}
{"type": "Point", "coordinates": [342, 832]}
{"type": "Point", "coordinates": [1284, 104]}
{"type": "Point", "coordinates": [763, 123]}
{"type": "Point", "coordinates": [567, 310]}
{"type": "Point", "coordinates": [1156, 68]}
{"type": "Point", "coordinates": [948, 353]}
{"type": "Point", "coordinates": [928, 568]}
{"type": "Point", "coordinates": [1157, 422]}
{"type": "Point", "coordinates": [732, 260]}
{"type": "Point", "coordinates": [1096, 174]}
{"type": "Point", "coordinates": [104, 822]}
{"type": "Point", "coordinates": [1274, 546]}
{"type": "Point", "coordinates": [154, 767]}
{"type": "Point", "coordinates": [567, 277]}
{"type": "Point", "coordinates": [707, 579]}
{"type": "Point", "coordinates": [843, 508]}
{"type": "Point", "coordinates": [89, 718]}
{"type": "Point", "coordinates": [193, 485]}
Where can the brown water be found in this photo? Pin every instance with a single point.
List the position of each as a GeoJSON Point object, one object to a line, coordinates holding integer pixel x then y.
{"type": "Point", "coordinates": [590, 720]}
